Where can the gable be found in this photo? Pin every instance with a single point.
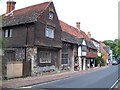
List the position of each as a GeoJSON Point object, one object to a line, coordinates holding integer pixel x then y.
{"type": "Point", "coordinates": [44, 17]}
{"type": "Point", "coordinates": [43, 22]}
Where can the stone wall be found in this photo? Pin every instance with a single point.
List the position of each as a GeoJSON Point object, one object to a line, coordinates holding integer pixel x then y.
{"type": "Point", "coordinates": [19, 54]}
{"type": "Point", "coordinates": [32, 55]}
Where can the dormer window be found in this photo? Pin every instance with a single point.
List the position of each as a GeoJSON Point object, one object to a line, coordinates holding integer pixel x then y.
{"type": "Point", "coordinates": [51, 15]}
{"type": "Point", "coordinates": [8, 33]}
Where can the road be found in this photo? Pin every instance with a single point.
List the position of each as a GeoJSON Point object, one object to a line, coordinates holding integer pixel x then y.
{"type": "Point", "coordinates": [118, 85]}
{"type": "Point", "coordinates": [102, 78]}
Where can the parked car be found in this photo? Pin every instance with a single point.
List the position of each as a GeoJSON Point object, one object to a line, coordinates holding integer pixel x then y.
{"type": "Point", "coordinates": [114, 62]}
{"type": "Point", "coordinates": [118, 60]}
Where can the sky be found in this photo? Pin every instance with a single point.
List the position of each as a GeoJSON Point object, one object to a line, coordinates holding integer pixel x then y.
{"type": "Point", "coordinates": [100, 17]}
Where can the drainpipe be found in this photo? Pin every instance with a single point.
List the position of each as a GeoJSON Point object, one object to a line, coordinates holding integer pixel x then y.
{"type": "Point", "coordinates": [26, 40]}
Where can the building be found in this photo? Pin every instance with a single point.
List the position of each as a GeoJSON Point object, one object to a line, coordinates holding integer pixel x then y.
{"type": "Point", "coordinates": [109, 53]}
{"type": "Point", "coordinates": [97, 44]}
{"type": "Point", "coordinates": [91, 50]}
{"type": "Point", "coordinates": [103, 51]}
{"type": "Point", "coordinates": [86, 52]}
{"type": "Point", "coordinates": [33, 36]}
{"type": "Point", "coordinates": [37, 42]}
{"type": "Point", "coordinates": [71, 40]}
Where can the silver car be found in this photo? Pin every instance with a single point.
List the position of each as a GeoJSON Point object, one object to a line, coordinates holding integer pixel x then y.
{"type": "Point", "coordinates": [114, 62]}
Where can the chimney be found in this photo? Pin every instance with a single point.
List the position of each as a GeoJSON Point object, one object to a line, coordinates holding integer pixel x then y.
{"type": "Point", "coordinates": [10, 6]}
{"type": "Point", "coordinates": [78, 25]}
{"type": "Point", "coordinates": [89, 34]}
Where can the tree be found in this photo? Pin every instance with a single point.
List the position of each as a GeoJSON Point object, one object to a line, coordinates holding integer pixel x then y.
{"type": "Point", "coordinates": [2, 43]}
{"type": "Point", "coordinates": [117, 47]}
{"type": "Point", "coordinates": [110, 43]}
{"type": "Point", "coordinates": [100, 60]}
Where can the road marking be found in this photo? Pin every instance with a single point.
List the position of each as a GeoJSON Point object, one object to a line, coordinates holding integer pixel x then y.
{"type": "Point", "coordinates": [26, 87]}
{"type": "Point", "coordinates": [114, 84]}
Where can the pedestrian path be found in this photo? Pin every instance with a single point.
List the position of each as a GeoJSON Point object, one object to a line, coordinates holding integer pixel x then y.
{"type": "Point", "coordinates": [19, 82]}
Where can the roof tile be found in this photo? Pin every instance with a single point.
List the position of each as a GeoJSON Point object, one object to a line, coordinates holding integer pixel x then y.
{"type": "Point", "coordinates": [24, 15]}
{"type": "Point", "coordinates": [71, 30]}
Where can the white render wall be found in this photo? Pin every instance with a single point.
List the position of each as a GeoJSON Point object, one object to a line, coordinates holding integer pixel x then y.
{"type": "Point", "coordinates": [79, 51]}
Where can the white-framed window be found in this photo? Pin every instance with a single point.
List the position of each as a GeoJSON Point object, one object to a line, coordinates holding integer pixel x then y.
{"type": "Point", "coordinates": [8, 33]}
{"type": "Point", "coordinates": [45, 57]}
{"type": "Point", "coordinates": [49, 32]}
{"type": "Point", "coordinates": [51, 15]}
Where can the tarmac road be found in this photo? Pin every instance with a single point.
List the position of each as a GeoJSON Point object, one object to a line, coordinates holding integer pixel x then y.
{"type": "Point", "coordinates": [103, 78]}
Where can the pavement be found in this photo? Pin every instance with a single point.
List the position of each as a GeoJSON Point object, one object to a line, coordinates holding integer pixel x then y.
{"type": "Point", "coordinates": [32, 80]}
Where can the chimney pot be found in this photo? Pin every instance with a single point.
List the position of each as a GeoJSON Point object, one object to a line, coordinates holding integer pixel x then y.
{"type": "Point", "coordinates": [78, 25]}
{"type": "Point", "coordinates": [10, 6]}
{"type": "Point", "coordinates": [89, 34]}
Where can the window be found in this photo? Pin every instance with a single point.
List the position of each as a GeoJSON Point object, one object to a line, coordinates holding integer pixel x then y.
{"type": "Point", "coordinates": [51, 14]}
{"type": "Point", "coordinates": [65, 55]}
{"type": "Point", "coordinates": [45, 57]}
{"type": "Point", "coordinates": [8, 33]}
{"type": "Point", "coordinates": [49, 32]}
{"type": "Point", "coordinates": [64, 58]}
{"type": "Point", "coordinates": [83, 48]}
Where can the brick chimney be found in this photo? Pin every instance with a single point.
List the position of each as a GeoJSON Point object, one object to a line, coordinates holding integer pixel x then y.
{"type": "Point", "coordinates": [89, 34]}
{"type": "Point", "coordinates": [10, 6]}
{"type": "Point", "coordinates": [78, 25]}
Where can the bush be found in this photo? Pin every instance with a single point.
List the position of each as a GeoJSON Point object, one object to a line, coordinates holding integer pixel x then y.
{"type": "Point", "coordinates": [100, 61]}
{"type": "Point", "coordinates": [103, 62]}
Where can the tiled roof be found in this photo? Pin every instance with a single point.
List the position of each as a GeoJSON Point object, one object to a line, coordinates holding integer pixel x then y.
{"type": "Point", "coordinates": [85, 36]}
{"type": "Point", "coordinates": [71, 30]}
{"type": "Point", "coordinates": [88, 41]}
{"type": "Point", "coordinates": [24, 15]}
{"type": "Point", "coordinates": [75, 33]}
{"type": "Point", "coordinates": [66, 37]}
{"type": "Point", "coordinates": [95, 40]}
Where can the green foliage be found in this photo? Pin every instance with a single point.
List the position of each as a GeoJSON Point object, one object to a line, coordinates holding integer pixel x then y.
{"type": "Point", "coordinates": [117, 47]}
{"type": "Point", "coordinates": [100, 60]}
{"type": "Point", "coordinates": [2, 42]}
{"type": "Point", "coordinates": [103, 62]}
{"type": "Point", "coordinates": [110, 43]}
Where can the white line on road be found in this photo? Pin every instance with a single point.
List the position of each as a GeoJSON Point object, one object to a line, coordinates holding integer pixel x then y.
{"type": "Point", "coordinates": [26, 87]}
{"type": "Point", "coordinates": [114, 84]}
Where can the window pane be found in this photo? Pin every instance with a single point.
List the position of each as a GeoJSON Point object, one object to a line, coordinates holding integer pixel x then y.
{"type": "Point", "coordinates": [6, 33]}
{"type": "Point", "coordinates": [10, 34]}
{"type": "Point", "coordinates": [65, 55]}
{"type": "Point", "coordinates": [45, 57]}
{"type": "Point", "coordinates": [83, 48]}
{"type": "Point", "coordinates": [49, 32]}
{"type": "Point", "coordinates": [51, 15]}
